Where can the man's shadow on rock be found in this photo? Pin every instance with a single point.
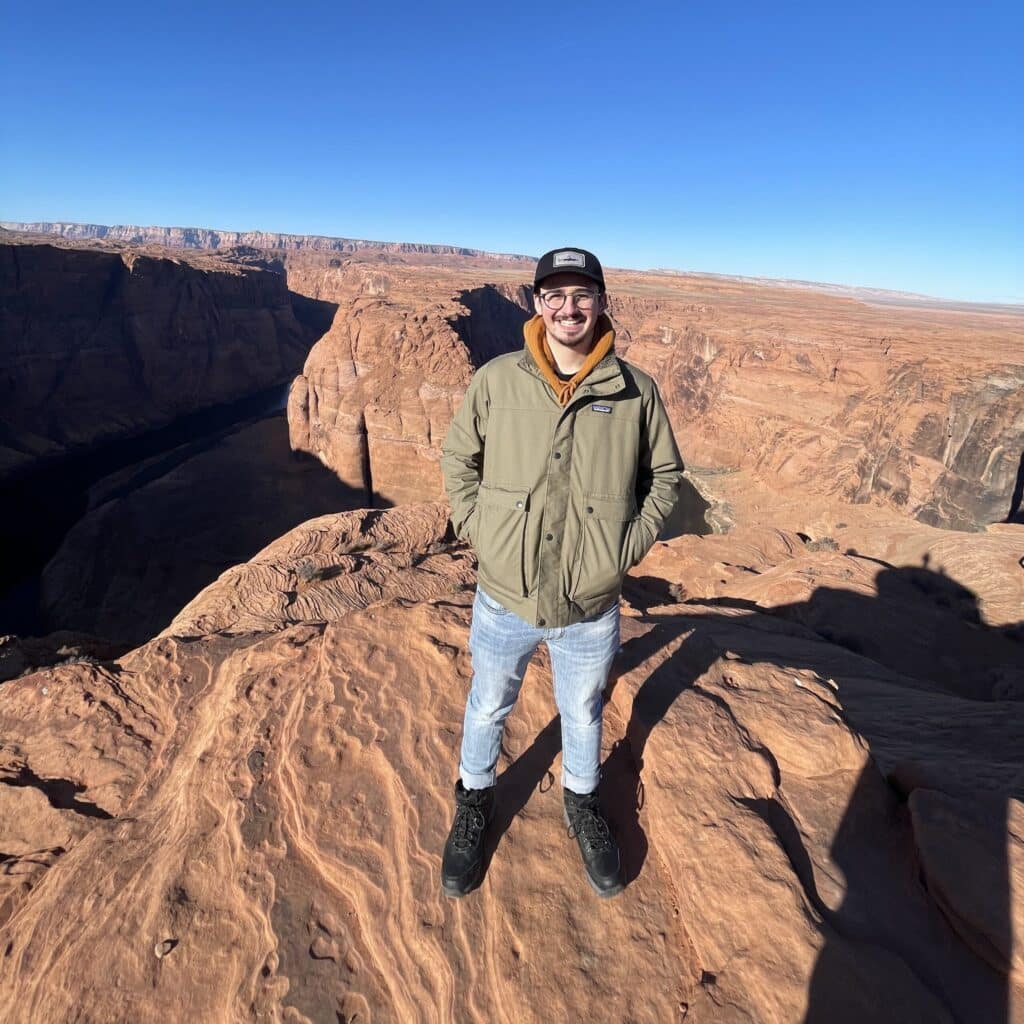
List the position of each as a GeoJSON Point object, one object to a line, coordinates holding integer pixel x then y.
{"type": "Point", "coordinates": [926, 630]}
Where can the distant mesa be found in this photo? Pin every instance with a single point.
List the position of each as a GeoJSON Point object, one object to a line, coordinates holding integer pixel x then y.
{"type": "Point", "coordinates": [209, 238]}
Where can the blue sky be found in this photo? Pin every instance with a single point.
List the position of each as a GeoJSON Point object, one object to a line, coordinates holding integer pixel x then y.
{"type": "Point", "coordinates": [866, 144]}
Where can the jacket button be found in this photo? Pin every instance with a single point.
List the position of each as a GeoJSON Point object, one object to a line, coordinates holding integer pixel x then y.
{"type": "Point", "coordinates": [542, 622]}
{"type": "Point", "coordinates": [519, 504]}
{"type": "Point", "coordinates": [558, 455]}
{"type": "Point", "coordinates": [590, 511]}
{"type": "Point", "coordinates": [549, 536]}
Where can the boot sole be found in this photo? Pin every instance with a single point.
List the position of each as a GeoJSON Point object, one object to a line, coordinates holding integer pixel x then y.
{"type": "Point", "coordinates": [455, 890]}
{"type": "Point", "coordinates": [455, 893]}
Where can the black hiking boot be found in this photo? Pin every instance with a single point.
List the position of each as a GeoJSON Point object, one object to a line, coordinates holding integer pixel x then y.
{"type": "Point", "coordinates": [587, 825]}
{"type": "Point", "coordinates": [464, 851]}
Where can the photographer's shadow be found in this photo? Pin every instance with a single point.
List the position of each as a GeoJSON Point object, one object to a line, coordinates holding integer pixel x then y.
{"type": "Point", "coordinates": [927, 628]}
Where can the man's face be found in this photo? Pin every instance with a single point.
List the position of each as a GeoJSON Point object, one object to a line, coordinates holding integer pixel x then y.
{"type": "Point", "coordinates": [571, 325]}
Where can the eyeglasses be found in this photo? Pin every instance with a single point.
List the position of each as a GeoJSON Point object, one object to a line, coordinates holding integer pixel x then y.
{"type": "Point", "coordinates": [556, 300]}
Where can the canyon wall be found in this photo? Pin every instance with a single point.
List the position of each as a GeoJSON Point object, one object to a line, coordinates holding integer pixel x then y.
{"type": "Point", "coordinates": [812, 731]}
{"type": "Point", "coordinates": [115, 355]}
{"type": "Point", "coordinates": [879, 399]}
{"type": "Point", "coordinates": [792, 408]}
{"type": "Point", "coordinates": [829, 398]}
{"type": "Point", "coordinates": [157, 532]}
{"type": "Point", "coordinates": [922, 411]}
{"type": "Point", "coordinates": [378, 391]}
{"type": "Point", "coordinates": [207, 238]}
{"type": "Point", "coordinates": [100, 344]}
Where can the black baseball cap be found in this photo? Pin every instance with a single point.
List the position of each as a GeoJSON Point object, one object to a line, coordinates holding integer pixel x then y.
{"type": "Point", "coordinates": [568, 261]}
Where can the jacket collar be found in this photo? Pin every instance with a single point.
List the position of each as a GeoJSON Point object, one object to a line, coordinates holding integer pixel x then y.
{"type": "Point", "coordinates": [604, 379]}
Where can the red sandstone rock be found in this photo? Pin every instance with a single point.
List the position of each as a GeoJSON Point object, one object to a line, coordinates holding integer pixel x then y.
{"type": "Point", "coordinates": [104, 344]}
{"type": "Point", "coordinates": [827, 397]}
{"type": "Point", "coordinates": [277, 766]}
{"type": "Point", "coordinates": [157, 533]}
{"type": "Point", "coordinates": [834, 396]}
{"type": "Point", "coordinates": [813, 737]}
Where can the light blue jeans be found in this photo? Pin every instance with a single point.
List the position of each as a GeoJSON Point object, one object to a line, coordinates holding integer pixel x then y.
{"type": "Point", "coordinates": [501, 645]}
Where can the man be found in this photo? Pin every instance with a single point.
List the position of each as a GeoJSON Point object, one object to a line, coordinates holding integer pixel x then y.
{"type": "Point", "coordinates": [561, 468]}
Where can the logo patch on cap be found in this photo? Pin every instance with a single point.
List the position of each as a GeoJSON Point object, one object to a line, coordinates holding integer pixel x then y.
{"type": "Point", "coordinates": [568, 259]}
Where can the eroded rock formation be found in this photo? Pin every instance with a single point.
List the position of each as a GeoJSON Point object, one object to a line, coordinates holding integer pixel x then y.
{"type": "Point", "coordinates": [812, 754]}
{"type": "Point", "coordinates": [846, 396]}
{"type": "Point", "coordinates": [158, 532]}
{"type": "Point", "coordinates": [101, 344]}
{"type": "Point", "coordinates": [115, 355]}
{"type": "Point", "coordinates": [377, 393]}
{"type": "Point", "coordinates": [844, 401]}
{"type": "Point", "coordinates": [242, 819]}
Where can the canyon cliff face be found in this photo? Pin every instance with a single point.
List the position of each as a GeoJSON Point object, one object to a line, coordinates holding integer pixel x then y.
{"type": "Point", "coordinates": [377, 393]}
{"type": "Point", "coordinates": [916, 408]}
{"type": "Point", "coordinates": [159, 531]}
{"type": "Point", "coordinates": [920, 409]}
{"type": "Point", "coordinates": [880, 399]}
{"type": "Point", "coordinates": [113, 354]}
{"type": "Point", "coordinates": [813, 727]}
{"type": "Point", "coordinates": [104, 344]}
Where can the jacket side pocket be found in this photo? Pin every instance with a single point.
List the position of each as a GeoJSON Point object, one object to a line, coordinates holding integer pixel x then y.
{"type": "Point", "coordinates": [500, 533]}
{"type": "Point", "coordinates": [603, 532]}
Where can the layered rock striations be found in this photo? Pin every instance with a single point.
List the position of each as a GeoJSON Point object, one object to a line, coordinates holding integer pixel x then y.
{"type": "Point", "coordinates": [101, 344]}
{"type": "Point", "coordinates": [871, 398]}
{"type": "Point", "coordinates": [832, 398]}
{"type": "Point", "coordinates": [378, 391]}
{"type": "Point", "coordinates": [207, 238]}
{"type": "Point", "coordinates": [157, 532]}
{"type": "Point", "coordinates": [242, 819]}
{"type": "Point", "coordinates": [838, 399]}
{"type": "Point", "coordinates": [813, 728]}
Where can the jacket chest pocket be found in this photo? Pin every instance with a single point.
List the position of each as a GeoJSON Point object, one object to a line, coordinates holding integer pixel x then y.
{"type": "Point", "coordinates": [599, 553]}
{"type": "Point", "coordinates": [500, 535]}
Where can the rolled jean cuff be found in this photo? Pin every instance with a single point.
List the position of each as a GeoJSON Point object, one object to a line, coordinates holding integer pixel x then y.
{"type": "Point", "coordinates": [577, 783]}
{"type": "Point", "coordinates": [477, 780]}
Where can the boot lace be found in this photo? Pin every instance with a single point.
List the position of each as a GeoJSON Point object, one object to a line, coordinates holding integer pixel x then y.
{"type": "Point", "coordinates": [469, 823]}
{"type": "Point", "coordinates": [588, 824]}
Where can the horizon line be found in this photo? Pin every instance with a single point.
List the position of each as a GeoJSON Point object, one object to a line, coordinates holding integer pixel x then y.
{"type": "Point", "coordinates": [26, 227]}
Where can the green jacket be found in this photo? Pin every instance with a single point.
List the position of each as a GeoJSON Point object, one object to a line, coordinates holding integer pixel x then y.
{"type": "Point", "coordinates": [559, 503]}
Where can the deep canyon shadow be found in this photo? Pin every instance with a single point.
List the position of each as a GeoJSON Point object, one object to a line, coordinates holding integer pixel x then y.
{"type": "Point", "coordinates": [88, 531]}
{"type": "Point", "coordinates": [494, 325]}
{"type": "Point", "coordinates": [159, 532]}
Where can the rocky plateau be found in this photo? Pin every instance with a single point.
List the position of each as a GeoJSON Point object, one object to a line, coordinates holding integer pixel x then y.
{"type": "Point", "coordinates": [226, 781]}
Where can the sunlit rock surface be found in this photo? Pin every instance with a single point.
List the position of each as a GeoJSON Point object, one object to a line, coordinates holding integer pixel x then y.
{"type": "Point", "coordinates": [813, 730]}
{"type": "Point", "coordinates": [242, 819]}
{"type": "Point", "coordinates": [828, 398]}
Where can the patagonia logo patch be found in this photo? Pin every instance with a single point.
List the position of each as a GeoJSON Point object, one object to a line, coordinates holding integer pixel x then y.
{"type": "Point", "coordinates": [568, 259]}
{"type": "Point", "coordinates": [601, 408]}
